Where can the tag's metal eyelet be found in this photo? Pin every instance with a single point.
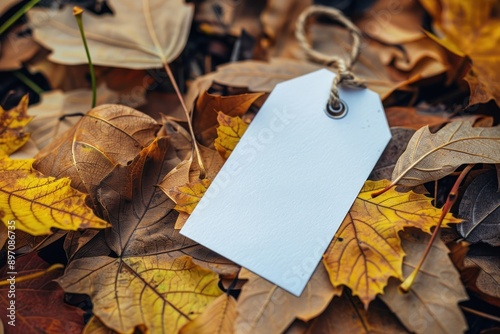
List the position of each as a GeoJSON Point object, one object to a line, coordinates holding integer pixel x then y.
{"type": "Point", "coordinates": [336, 113]}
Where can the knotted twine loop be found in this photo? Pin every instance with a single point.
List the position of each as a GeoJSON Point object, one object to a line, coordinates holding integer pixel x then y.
{"type": "Point", "coordinates": [343, 67]}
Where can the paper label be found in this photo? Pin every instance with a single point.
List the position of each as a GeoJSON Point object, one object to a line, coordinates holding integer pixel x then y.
{"type": "Point", "coordinates": [278, 200]}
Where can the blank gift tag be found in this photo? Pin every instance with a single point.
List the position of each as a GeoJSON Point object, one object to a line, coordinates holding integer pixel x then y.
{"type": "Point", "coordinates": [278, 200]}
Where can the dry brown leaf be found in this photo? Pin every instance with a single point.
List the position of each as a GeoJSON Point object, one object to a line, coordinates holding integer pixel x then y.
{"type": "Point", "coordinates": [431, 305]}
{"type": "Point", "coordinates": [431, 156]}
{"type": "Point", "coordinates": [207, 107]}
{"type": "Point", "coordinates": [95, 326]}
{"type": "Point", "coordinates": [139, 35]}
{"type": "Point", "coordinates": [106, 136]}
{"type": "Point", "coordinates": [265, 308]}
{"type": "Point", "coordinates": [218, 318]}
{"type": "Point", "coordinates": [409, 117]}
{"type": "Point", "coordinates": [58, 111]}
{"type": "Point", "coordinates": [17, 47]}
{"type": "Point", "coordinates": [346, 314]}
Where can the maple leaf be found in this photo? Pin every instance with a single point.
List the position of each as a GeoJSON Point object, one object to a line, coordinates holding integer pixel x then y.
{"type": "Point", "coordinates": [436, 292]}
{"type": "Point", "coordinates": [139, 35]}
{"type": "Point", "coordinates": [187, 197]}
{"type": "Point", "coordinates": [229, 133]}
{"type": "Point", "coordinates": [266, 308]}
{"type": "Point", "coordinates": [218, 318]}
{"type": "Point", "coordinates": [12, 123]}
{"type": "Point", "coordinates": [471, 30]}
{"type": "Point", "coordinates": [39, 203]}
{"type": "Point", "coordinates": [150, 272]}
{"type": "Point", "coordinates": [106, 136]}
{"type": "Point", "coordinates": [366, 250]}
{"type": "Point", "coordinates": [431, 156]}
{"type": "Point", "coordinates": [40, 306]}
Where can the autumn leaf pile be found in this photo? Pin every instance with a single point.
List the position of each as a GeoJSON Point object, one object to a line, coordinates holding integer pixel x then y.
{"type": "Point", "coordinates": [99, 195]}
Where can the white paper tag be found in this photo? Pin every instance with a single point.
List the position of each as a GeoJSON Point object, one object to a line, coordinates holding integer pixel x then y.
{"type": "Point", "coordinates": [278, 200]}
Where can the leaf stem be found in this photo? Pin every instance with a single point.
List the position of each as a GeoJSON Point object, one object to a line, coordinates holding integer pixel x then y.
{"type": "Point", "coordinates": [77, 12]}
{"type": "Point", "coordinates": [23, 10]}
{"type": "Point", "coordinates": [188, 116]}
{"type": "Point", "coordinates": [28, 82]}
{"type": "Point", "coordinates": [34, 275]}
{"type": "Point", "coordinates": [452, 198]}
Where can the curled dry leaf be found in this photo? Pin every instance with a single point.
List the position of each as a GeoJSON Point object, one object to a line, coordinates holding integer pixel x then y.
{"type": "Point", "coordinates": [17, 47]}
{"type": "Point", "coordinates": [410, 118]}
{"type": "Point", "coordinates": [12, 124]}
{"type": "Point", "coordinates": [95, 326]}
{"type": "Point", "coordinates": [229, 133]}
{"type": "Point", "coordinates": [40, 306]}
{"type": "Point", "coordinates": [480, 208]}
{"type": "Point", "coordinates": [218, 318]}
{"type": "Point", "coordinates": [106, 136]}
{"type": "Point", "coordinates": [141, 34]}
{"type": "Point", "coordinates": [366, 250]}
{"type": "Point", "coordinates": [431, 305]}
{"type": "Point", "coordinates": [266, 308]}
{"type": "Point", "coordinates": [431, 156]}
{"type": "Point", "coordinates": [38, 203]}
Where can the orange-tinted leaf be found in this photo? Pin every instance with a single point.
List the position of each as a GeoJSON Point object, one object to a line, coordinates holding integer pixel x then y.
{"type": "Point", "coordinates": [366, 250]}
{"type": "Point", "coordinates": [37, 203]}
{"type": "Point", "coordinates": [187, 197]}
{"type": "Point", "coordinates": [229, 133]}
{"type": "Point", "coordinates": [471, 29]}
{"type": "Point", "coordinates": [39, 303]}
{"type": "Point", "coordinates": [207, 106]}
{"type": "Point", "coordinates": [12, 123]}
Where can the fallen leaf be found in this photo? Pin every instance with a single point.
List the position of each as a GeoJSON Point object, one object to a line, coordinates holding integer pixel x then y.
{"type": "Point", "coordinates": [471, 30]}
{"type": "Point", "coordinates": [139, 35]}
{"type": "Point", "coordinates": [17, 46]}
{"type": "Point", "coordinates": [431, 305]}
{"type": "Point", "coordinates": [106, 136]}
{"type": "Point", "coordinates": [397, 145]}
{"type": "Point", "coordinates": [187, 197]}
{"type": "Point", "coordinates": [149, 271]}
{"type": "Point", "coordinates": [3, 235]}
{"type": "Point", "coordinates": [479, 270]}
{"type": "Point", "coordinates": [266, 308]}
{"type": "Point", "coordinates": [39, 203]}
{"type": "Point", "coordinates": [480, 209]}
{"type": "Point", "coordinates": [58, 111]}
{"type": "Point", "coordinates": [431, 156]}
{"type": "Point", "coordinates": [12, 124]}
{"type": "Point", "coordinates": [366, 250]}
{"type": "Point", "coordinates": [218, 318]}
{"type": "Point", "coordinates": [229, 133]}
{"type": "Point", "coordinates": [346, 314]}
{"type": "Point", "coordinates": [39, 303]}
{"type": "Point", "coordinates": [410, 118]}
{"type": "Point", "coordinates": [205, 117]}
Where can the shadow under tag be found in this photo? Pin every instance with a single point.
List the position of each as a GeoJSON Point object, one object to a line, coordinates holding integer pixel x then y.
{"type": "Point", "coordinates": [278, 200]}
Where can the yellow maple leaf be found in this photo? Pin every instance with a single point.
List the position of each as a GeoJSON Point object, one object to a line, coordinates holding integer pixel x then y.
{"type": "Point", "coordinates": [229, 133]}
{"type": "Point", "coordinates": [470, 29]}
{"type": "Point", "coordinates": [37, 203]}
{"type": "Point", "coordinates": [186, 197]}
{"type": "Point", "coordinates": [12, 123]}
{"type": "Point", "coordinates": [366, 250]}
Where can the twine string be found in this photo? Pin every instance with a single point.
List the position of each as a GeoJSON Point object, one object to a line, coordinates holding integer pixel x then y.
{"type": "Point", "coordinates": [343, 67]}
